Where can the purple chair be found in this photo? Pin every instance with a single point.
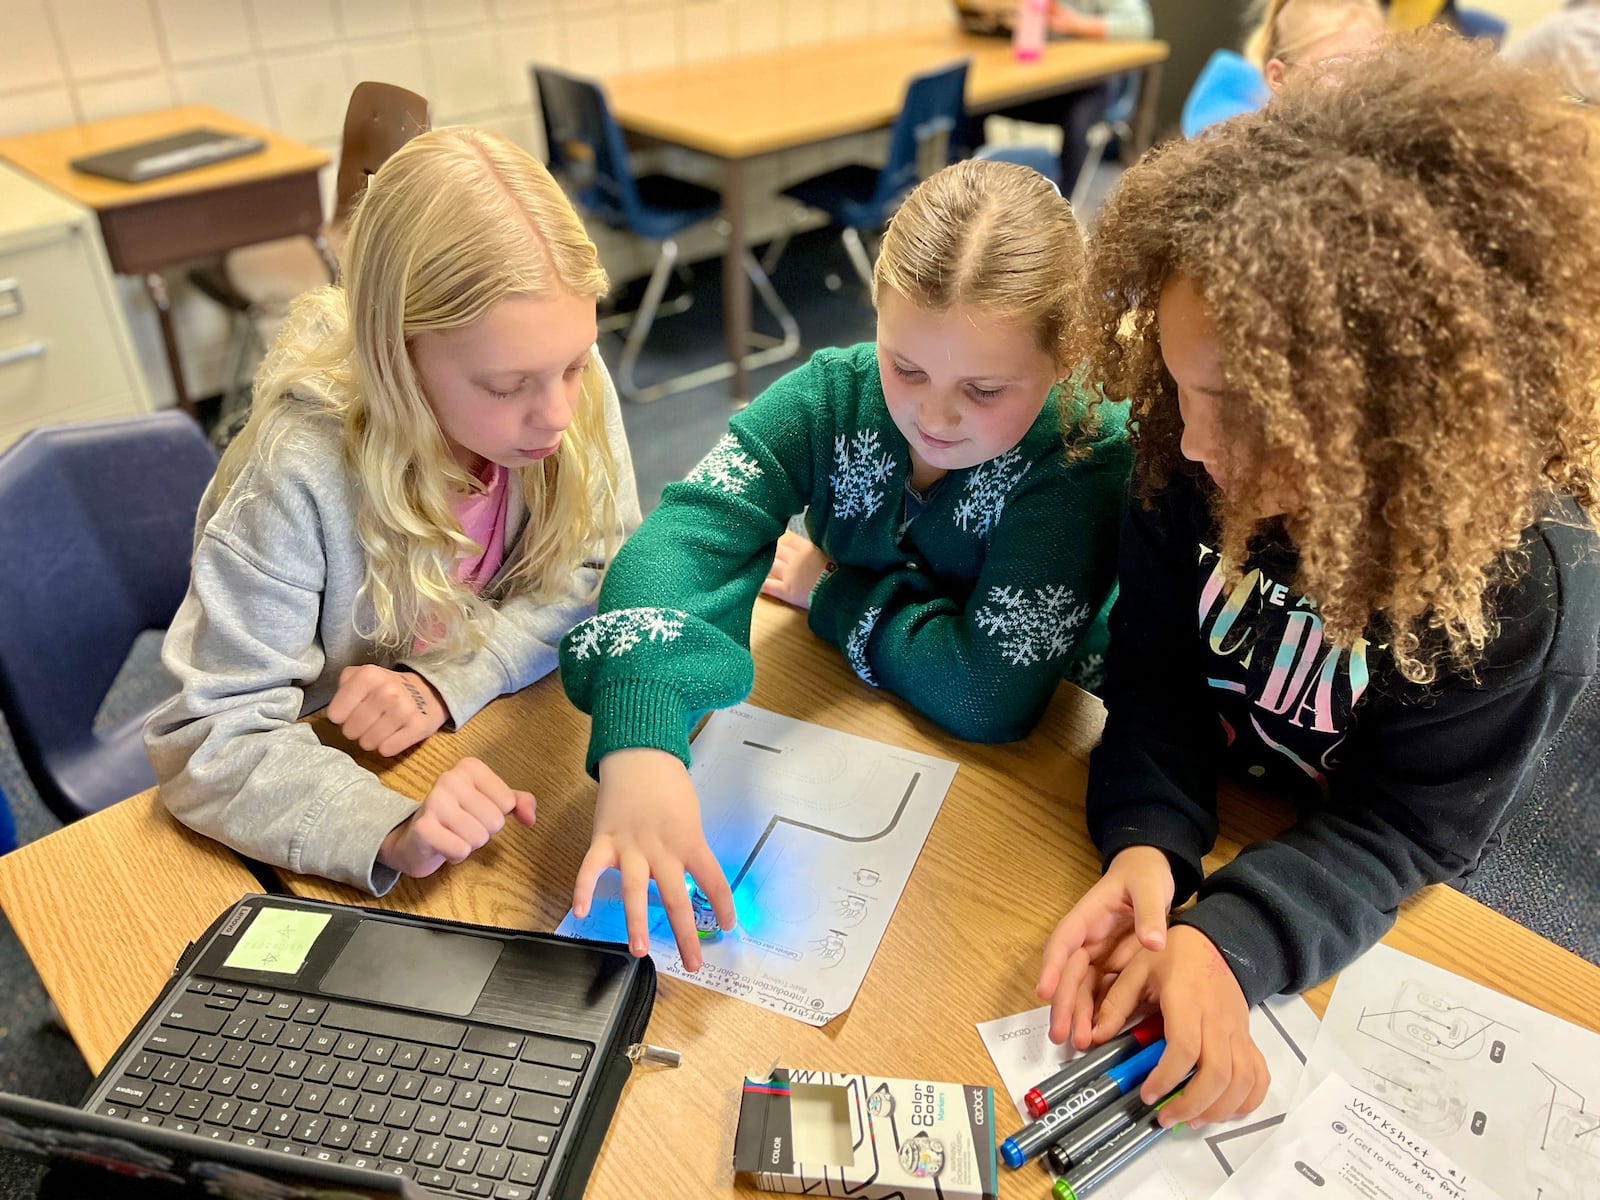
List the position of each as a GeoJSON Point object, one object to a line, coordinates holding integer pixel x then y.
{"type": "Point", "coordinates": [96, 530]}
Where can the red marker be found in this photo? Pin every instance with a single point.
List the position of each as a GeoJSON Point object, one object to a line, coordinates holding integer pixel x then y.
{"type": "Point", "coordinates": [1040, 1099]}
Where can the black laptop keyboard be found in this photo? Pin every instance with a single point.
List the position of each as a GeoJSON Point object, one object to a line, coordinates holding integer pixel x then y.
{"type": "Point", "coordinates": [461, 1109]}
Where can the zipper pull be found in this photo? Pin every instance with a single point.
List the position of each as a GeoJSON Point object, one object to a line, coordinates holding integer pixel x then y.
{"type": "Point", "coordinates": [644, 1052]}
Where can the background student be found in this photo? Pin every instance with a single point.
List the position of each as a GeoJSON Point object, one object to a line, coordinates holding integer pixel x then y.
{"type": "Point", "coordinates": [433, 472]}
{"type": "Point", "coordinates": [1076, 111]}
{"type": "Point", "coordinates": [956, 556]}
{"type": "Point", "coordinates": [1361, 570]}
{"type": "Point", "coordinates": [1286, 36]}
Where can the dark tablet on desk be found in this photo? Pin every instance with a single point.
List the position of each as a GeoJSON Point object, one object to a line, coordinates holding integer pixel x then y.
{"type": "Point", "coordinates": [168, 155]}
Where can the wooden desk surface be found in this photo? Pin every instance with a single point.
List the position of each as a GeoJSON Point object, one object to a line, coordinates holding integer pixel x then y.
{"type": "Point", "coordinates": [1002, 863]}
{"type": "Point", "coordinates": [116, 896]}
{"type": "Point", "coordinates": [105, 906]}
{"type": "Point", "coordinates": [756, 104]}
{"type": "Point", "coordinates": [46, 154]}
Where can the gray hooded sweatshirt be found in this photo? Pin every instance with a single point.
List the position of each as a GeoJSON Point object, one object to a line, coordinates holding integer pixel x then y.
{"type": "Point", "coordinates": [269, 622]}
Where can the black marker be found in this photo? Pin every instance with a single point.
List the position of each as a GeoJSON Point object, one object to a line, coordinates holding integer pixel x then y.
{"type": "Point", "coordinates": [1099, 1093]}
{"type": "Point", "coordinates": [1113, 1156]}
{"type": "Point", "coordinates": [1043, 1098]}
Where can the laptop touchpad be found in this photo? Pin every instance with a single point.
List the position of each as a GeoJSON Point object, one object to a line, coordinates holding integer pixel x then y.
{"type": "Point", "coordinates": [413, 968]}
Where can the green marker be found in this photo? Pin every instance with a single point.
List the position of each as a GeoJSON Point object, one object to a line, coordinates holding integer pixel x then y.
{"type": "Point", "coordinates": [1112, 1156]}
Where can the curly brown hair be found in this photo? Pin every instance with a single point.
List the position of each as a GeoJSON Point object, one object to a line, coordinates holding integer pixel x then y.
{"type": "Point", "coordinates": [1403, 274]}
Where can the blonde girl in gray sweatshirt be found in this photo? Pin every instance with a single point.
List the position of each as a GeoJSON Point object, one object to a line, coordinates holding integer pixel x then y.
{"type": "Point", "coordinates": [432, 479]}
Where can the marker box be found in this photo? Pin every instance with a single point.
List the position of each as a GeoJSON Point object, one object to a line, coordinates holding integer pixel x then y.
{"type": "Point", "coordinates": [866, 1136]}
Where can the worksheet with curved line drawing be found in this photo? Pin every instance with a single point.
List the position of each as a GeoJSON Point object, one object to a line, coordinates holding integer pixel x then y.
{"type": "Point", "coordinates": [817, 832]}
{"type": "Point", "coordinates": [1510, 1093]}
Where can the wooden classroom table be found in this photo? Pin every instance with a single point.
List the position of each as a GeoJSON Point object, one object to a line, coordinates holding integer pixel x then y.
{"type": "Point", "coordinates": [738, 109]}
{"type": "Point", "coordinates": [208, 210]}
{"type": "Point", "coordinates": [105, 906]}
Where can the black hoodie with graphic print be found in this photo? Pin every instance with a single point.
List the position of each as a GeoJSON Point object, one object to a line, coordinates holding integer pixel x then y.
{"type": "Point", "coordinates": [1397, 785]}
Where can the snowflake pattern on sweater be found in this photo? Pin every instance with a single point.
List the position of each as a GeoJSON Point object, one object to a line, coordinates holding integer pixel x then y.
{"type": "Point", "coordinates": [1033, 627]}
{"type": "Point", "coordinates": [726, 467]}
{"type": "Point", "coordinates": [988, 485]}
{"type": "Point", "coordinates": [615, 633]}
{"type": "Point", "coordinates": [855, 646]}
{"type": "Point", "coordinates": [861, 468]}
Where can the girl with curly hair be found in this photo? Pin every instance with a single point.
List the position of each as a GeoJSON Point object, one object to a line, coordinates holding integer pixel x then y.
{"type": "Point", "coordinates": [1360, 568]}
{"type": "Point", "coordinates": [433, 471]}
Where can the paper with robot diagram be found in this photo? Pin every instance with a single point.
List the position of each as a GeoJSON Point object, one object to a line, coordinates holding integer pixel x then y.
{"type": "Point", "coordinates": [1510, 1093]}
{"type": "Point", "coordinates": [1186, 1164]}
{"type": "Point", "coordinates": [817, 832]}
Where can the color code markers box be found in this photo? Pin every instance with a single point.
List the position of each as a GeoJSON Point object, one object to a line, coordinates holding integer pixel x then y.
{"type": "Point", "coordinates": [866, 1136]}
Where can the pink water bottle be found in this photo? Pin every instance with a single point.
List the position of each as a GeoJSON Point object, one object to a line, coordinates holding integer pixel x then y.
{"type": "Point", "coordinates": [1028, 29]}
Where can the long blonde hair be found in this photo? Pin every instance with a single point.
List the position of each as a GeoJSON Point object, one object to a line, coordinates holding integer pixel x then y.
{"type": "Point", "coordinates": [454, 222]}
{"type": "Point", "coordinates": [991, 235]}
{"type": "Point", "coordinates": [1283, 28]}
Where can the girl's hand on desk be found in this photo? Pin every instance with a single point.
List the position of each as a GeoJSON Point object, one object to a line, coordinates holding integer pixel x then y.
{"type": "Point", "coordinates": [1206, 1023]}
{"type": "Point", "coordinates": [1132, 896]}
{"type": "Point", "coordinates": [647, 825]}
{"type": "Point", "coordinates": [466, 806]}
{"type": "Point", "coordinates": [386, 711]}
{"type": "Point", "coordinates": [795, 571]}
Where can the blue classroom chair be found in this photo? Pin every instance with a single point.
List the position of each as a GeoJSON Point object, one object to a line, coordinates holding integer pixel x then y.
{"type": "Point", "coordinates": [586, 148]}
{"type": "Point", "coordinates": [8, 827]}
{"type": "Point", "coordinates": [858, 196]}
{"type": "Point", "coordinates": [96, 529]}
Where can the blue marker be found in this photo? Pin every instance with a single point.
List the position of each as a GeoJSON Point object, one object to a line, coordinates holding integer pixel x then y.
{"type": "Point", "coordinates": [1093, 1096]}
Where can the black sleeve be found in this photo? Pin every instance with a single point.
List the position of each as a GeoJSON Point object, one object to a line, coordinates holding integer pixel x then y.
{"type": "Point", "coordinates": [1424, 780]}
{"type": "Point", "coordinates": [1153, 778]}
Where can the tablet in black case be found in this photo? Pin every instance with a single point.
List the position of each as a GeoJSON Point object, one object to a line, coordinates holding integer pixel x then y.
{"type": "Point", "coordinates": [468, 1060]}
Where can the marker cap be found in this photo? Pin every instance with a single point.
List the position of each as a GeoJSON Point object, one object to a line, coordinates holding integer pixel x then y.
{"type": "Point", "coordinates": [1063, 1191]}
{"type": "Point", "coordinates": [1012, 1153]}
{"type": "Point", "coordinates": [1037, 1104]}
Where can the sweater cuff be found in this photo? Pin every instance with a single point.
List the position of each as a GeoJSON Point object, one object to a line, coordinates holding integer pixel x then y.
{"type": "Point", "coordinates": [632, 713]}
{"type": "Point", "coordinates": [838, 602]}
{"type": "Point", "coordinates": [342, 840]}
{"type": "Point", "coordinates": [1244, 938]}
{"type": "Point", "coordinates": [1167, 831]}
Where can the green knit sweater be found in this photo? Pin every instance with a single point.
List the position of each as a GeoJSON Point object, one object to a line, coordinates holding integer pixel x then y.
{"type": "Point", "coordinates": [972, 614]}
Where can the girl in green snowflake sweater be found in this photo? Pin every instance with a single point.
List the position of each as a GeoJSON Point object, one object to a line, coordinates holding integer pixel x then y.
{"type": "Point", "coordinates": [958, 555]}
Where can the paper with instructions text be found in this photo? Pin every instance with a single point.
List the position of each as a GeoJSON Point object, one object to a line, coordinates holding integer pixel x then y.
{"type": "Point", "coordinates": [1510, 1093]}
{"type": "Point", "coordinates": [1340, 1144]}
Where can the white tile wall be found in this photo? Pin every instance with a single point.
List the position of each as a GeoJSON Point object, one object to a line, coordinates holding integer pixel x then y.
{"type": "Point", "coordinates": [290, 65]}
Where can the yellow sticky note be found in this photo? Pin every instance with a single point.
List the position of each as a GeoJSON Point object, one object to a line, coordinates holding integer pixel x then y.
{"type": "Point", "coordinates": [278, 940]}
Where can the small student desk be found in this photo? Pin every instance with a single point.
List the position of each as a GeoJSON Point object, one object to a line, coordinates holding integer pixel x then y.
{"type": "Point", "coordinates": [105, 906]}
{"type": "Point", "coordinates": [272, 193]}
{"type": "Point", "coordinates": [741, 108]}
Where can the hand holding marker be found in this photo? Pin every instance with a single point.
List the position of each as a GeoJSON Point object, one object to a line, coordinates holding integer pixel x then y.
{"type": "Point", "coordinates": [1098, 1093]}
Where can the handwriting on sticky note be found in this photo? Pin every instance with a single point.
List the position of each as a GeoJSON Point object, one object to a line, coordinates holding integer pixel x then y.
{"type": "Point", "coordinates": [278, 940]}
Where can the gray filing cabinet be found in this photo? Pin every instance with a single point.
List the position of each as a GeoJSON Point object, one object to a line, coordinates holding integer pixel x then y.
{"type": "Point", "coordinates": [65, 354]}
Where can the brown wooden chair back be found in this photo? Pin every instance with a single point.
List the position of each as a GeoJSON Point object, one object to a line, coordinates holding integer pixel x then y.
{"type": "Point", "coordinates": [381, 118]}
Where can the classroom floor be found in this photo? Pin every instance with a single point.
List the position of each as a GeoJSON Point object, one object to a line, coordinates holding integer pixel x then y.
{"type": "Point", "coordinates": [1546, 876]}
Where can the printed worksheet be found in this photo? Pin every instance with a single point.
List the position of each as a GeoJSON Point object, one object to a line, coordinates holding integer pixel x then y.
{"type": "Point", "coordinates": [1185, 1164]}
{"type": "Point", "coordinates": [817, 832]}
{"type": "Point", "coordinates": [1338, 1144]}
{"type": "Point", "coordinates": [1510, 1093]}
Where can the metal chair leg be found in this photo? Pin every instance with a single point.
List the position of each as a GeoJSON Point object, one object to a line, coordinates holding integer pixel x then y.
{"type": "Point", "coordinates": [773, 350]}
{"type": "Point", "coordinates": [621, 320]}
{"type": "Point", "coordinates": [643, 319]}
{"type": "Point", "coordinates": [1098, 137]}
{"type": "Point", "coordinates": [858, 255]}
